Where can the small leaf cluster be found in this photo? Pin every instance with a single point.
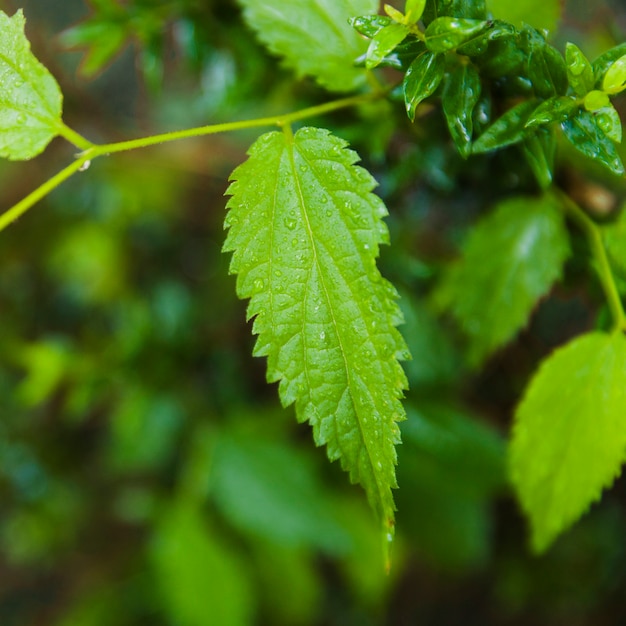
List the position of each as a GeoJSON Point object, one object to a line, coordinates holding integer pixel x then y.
{"type": "Point", "coordinates": [475, 65]}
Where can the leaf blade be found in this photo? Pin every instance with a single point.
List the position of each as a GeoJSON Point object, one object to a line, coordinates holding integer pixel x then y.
{"type": "Point", "coordinates": [569, 436]}
{"type": "Point", "coordinates": [304, 230]}
{"type": "Point", "coordinates": [31, 101]}
{"type": "Point", "coordinates": [293, 30]}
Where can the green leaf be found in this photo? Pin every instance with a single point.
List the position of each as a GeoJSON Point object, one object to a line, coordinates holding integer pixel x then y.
{"type": "Point", "coordinates": [461, 93]}
{"type": "Point", "coordinates": [510, 260]}
{"type": "Point", "coordinates": [295, 30]}
{"type": "Point", "coordinates": [614, 80]}
{"type": "Point", "coordinates": [570, 433]}
{"type": "Point", "coordinates": [539, 149]}
{"type": "Point", "coordinates": [471, 9]}
{"type": "Point", "coordinates": [305, 231]}
{"type": "Point", "coordinates": [543, 14]}
{"type": "Point", "coordinates": [507, 129]}
{"type": "Point", "coordinates": [447, 33]}
{"type": "Point", "coordinates": [584, 133]}
{"type": "Point", "coordinates": [414, 10]}
{"type": "Point", "coordinates": [607, 118]}
{"type": "Point", "coordinates": [614, 235]}
{"type": "Point", "coordinates": [579, 70]}
{"type": "Point", "coordinates": [370, 25]}
{"type": "Point", "coordinates": [545, 67]}
{"type": "Point", "coordinates": [595, 100]}
{"type": "Point", "coordinates": [422, 79]}
{"type": "Point", "coordinates": [554, 109]}
{"type": "Point", "coordinates": [385, 42]}
{"type": "Point", "coordinates": [30, 101]}
{"type": "Point", "coordinates": [201, 580]}
{"type": "Point", "coordinates": [605, 60]}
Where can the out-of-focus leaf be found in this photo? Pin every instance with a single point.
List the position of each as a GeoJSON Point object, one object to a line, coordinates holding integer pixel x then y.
{"type": "Point", "coordinates": [467, 9]}
{"type": "Point", "coordinates": [507, 129]}
{"type": "Point", "coordinates": [422, 79]}
{"type": "Point", "coordinates": [579, 70]}
{"type": "Point", "coordinates": [384, 42]}
{"type": "Point", "coordinates": [267, 490]}
{"type": "Point", "coordinates": [543, 14]}
{"type": "Point", "coordinates": [510, 260]}
{"type": "Point", "coordinates": [201, 581]}
{"type": "Point", "coordinates": [294, 31]}
{"type": "Point", "coordinates": [570, 433]}
{"type": "Point", "coordinates": [614, 235]}
{"type": "Point", "coordinates": [461, 93]}
{"type": "Point", "coordinates": [585, 134]}
{"type": "Point", "coordinates": [448, 33]}
{"type": "Point", "coordinates": [539, 149]}
{"type": "Point", "coordinates": [30, 101]}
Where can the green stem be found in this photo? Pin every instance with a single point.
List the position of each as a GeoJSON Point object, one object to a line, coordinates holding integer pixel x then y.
{"type": "Point", "coordinates": [594, 237]}
{"type": "Point", "coordinates": [32, 198]}
{"type": "Point", "coordinates": [91, 151]}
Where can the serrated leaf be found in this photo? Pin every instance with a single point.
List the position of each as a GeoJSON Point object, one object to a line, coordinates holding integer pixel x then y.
{"type": "Point", "coordinates": [543, 14]}
{"type": "Point", "coordinates": [422, 79]}
{"type": "Point", "coordinates": [584, 133]}
{"type": "Point", "coordinates": [296, 30]}
{"type": "Point", "coordinates": [508, 129]}
{"type": "Point", "coordinates": [30, 99]}
{"type": "Point", "coordinates": [384, 43]}
{"type": "Point", "coordinates": [510, 260]}
{"type": "Point", "coordinates": [304, 229]}
{"type": "Point", "coordinates": [448, 33]}
{"type": "Point", "coordinates": [579, 70]}
{"type": "Point", "coordinates": [461, 93]}
{"type": "Point", "coordinates": [569, 436]}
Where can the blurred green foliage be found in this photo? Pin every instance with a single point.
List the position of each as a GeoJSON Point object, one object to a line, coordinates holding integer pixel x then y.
{"type": "Point", "coordinates": [148, 475]}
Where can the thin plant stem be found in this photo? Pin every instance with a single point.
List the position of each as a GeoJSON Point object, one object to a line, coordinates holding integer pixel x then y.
{"type": "Point", "coordinates": [596, 245]}
{"type": "Point", "coordinates": [91, 151]}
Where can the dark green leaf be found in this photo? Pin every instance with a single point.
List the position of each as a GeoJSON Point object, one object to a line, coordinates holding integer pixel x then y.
{"type": "Point", "coordinates": [507, 129]}
{"type": "Point", "coordinates": [422, 79]}
{"type": "Point", "coordinates": [447, 33]}
{"type": "Point", "coordinates": [469, 9]}
{"type": "Point", "coordinates": [579, 70]}
{"type": "Point", "coordinates": [584, 133]}
{"type": "Point", "coordinates": [554, 109]}
{"type": "Point", "coordinates": [385, 42]}
{"type": "Point", "coordinates": [503, 57]}
{"type": "Point", "coordinates": [539, 149]}
{"type": "Point", "coordinates": [510, 260]}
{"type": "Point", "coordinates": [570, 433]}
{"type": "Point", "coordinates": [30, 101]}
{"type": "Point", "coordinates": [461, 93]}
{"type": "Point", "coordinates": [545, 66]}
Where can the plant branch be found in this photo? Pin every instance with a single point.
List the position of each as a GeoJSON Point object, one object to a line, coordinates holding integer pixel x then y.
{"type": "Point", "coordinates": [605, 273]}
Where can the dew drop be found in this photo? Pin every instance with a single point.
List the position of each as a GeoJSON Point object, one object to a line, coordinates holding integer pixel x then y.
{"type": "Point", "coordinates": [259, 284]}
{"type": "Point", "coordinates": [322, 335]}
{"type": "Point", "coordinates": [290, 224]}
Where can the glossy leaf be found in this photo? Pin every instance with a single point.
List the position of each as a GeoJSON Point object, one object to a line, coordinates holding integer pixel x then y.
{"type": "Point", "coordinates": [385, 42]}
{"type": "Point", "coordinates": [555, 109]}
{"type": "Point", "coordinates": [461, 93]}
{"type": "Point", "coordinates": [422, 79]}
{"type": "Point", "coordinates": [605, 60]}
{"type": "Point", "coordinates": [294, 31]}
{"type": "Point", "coordinates": [543, 14]}
{"type": "Point", "coordinates": [545, 67]}
{"type": "Point", "coordinates": [614, 80]}
{"type": "Point", "coordinates": [508, 129]}
{"type": "Point", "coordinates": [305, 230]}
{"type": "Point", "coordinates": [570, 433]}
{"type": "Point", "coordinates": [579, 70]}
{"type": "Point", "coordinates": [469, 9]}
{"type": "Point", "coordinates": [414, 10]}
{"type": "Point", "coordinates": [447, 33]}
{"type": "Point", "coordinates": [584, 133]}
{"type": "Point", "coordinates": [595, 100]}
{"type": "Point", "coordinates": [370, 25]}
{"type": "Point", "coordinates": [510, 259]}
{"type": "Point", "coordinates": [607, 118]}
{"type": "Point", "coordinates": [539, 149]}
{"type": "Point", "coordinates": [31, 101]}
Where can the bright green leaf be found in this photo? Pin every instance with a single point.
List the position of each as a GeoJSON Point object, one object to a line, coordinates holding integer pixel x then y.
{"type": "Point", "coordinates": [370, 25]}
{"type": "Point", "coordinates": [385, 42]}
{"type": "Point", "coordinates": [602, 64]}
{"type": "Point", "coordinates": [614, 80]}
{"type": "Point", "coordinates": [579, 70]}
{"type": "Point", "coordinates": [461, 93]}
{"type": "Point", "coordinates": [422, 79]}
{"type": "Point", "coordinates": [294, 31]}
{"type": "Point", "coordinates": [448, 33]}
{"type": "Point", "coordinates": [570, 433]}
{"type": "Point", "coordinates": [305, 232]}
{"type": "Point", "coordinates": [30, 101]}
{"type": "Point", "coordinates": [595, 100]}
{"type": "Point", "coordinates": [584, 133]}
{"type": "Point", "coordinates": [608, 119]}
{"type": "Point", "coordinates": [510, 260]}
{"type": "Point", "coordinates": [543, 14]}
{"type": "Point", "coordinates": [414, 10]}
